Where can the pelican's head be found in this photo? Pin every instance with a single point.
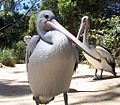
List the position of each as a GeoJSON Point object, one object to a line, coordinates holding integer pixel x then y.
{"type": "Point", "coordinates": [84, 25]}
{"type": "Point", "coordinates": [84, 18]}
{"type": "Point", "coordinates": [46, 22]}
{"type": "Point", "coordinates": [42, 18]}
{"type": "Point", "coordinates": [27, 39]}
{"type": "Point", "coordinates": [85, 22]}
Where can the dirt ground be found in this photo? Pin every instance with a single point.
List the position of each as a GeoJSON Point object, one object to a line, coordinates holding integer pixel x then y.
{"type": "Point", "coordinates": [14, 88]}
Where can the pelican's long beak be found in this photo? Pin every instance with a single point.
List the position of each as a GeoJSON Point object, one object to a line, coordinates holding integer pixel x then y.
{"type": "Point", "coordinates": [55, 25]}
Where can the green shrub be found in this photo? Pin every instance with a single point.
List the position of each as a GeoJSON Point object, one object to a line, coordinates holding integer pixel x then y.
{"type": "Point", "coordinates": [7, 58]}
{"type": "Point", "coordinates": [118, 61]}
{"type": "Point", "coordinates": [32, 25]}
{"type": "Point", "coordinates": [19, 50]}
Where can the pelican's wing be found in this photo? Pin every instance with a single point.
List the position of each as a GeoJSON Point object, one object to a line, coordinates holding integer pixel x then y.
{"type": "Point", "coordinates": [104, 54]}
{"type": "Point", "coordinates": [30, 47]}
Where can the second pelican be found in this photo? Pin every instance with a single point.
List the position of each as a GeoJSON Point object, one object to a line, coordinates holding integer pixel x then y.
{"type": "Point", "coordinates": [107, 61]}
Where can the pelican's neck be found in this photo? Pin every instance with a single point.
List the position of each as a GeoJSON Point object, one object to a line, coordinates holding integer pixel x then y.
{"type": "Point", "coordinates": [40, 32]}
{"type": "Point", "coordinates": [39, 27]}
{"type": "Point", "coordinates": [85, 37]}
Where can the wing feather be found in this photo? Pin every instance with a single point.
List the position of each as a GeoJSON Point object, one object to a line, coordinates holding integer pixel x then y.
{"type": "Point", "coordinates": [104, 54]}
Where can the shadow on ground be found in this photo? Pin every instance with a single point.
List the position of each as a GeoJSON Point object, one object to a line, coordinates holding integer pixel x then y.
{"type": "Point", "coordinates": [105, 77]}
{"type": "Point", "coordinates": [14, 90]}
{"type": "Point", "coordinates": [82, 76]}
{"type": "Point", "coordinates": [103, 96]}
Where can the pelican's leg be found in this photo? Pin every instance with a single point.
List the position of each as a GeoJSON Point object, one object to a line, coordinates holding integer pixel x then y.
{"type": "Point", "coordinates": [65, 98]}
{"type": "Point", "coordinates": [37, 100]}
{"type": "Point", "coordinates": [95, 75]}
{"type": "Point", "coordinates": [101, 74]}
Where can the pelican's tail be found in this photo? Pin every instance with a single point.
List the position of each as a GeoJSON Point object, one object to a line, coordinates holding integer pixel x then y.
{"type": "Point", "coordinates": [113, 72]}
{"type": "Point", "coordinates": [113, 68]}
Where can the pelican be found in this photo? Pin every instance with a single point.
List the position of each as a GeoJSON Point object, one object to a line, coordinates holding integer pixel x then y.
{"type": "Point", "coordinates": [52, 60]}
{"type": "Point", "coordinates": [107, 61]}
{"type": "Point", "coordinates": [31, 44]}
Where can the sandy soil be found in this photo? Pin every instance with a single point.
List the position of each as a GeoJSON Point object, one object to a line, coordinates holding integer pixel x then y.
{"type": "Point", "coordinates": [14, 88]}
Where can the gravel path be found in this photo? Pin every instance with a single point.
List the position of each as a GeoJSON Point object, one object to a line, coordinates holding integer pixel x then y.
{"type": "Point", "coordinates": [14, 88]}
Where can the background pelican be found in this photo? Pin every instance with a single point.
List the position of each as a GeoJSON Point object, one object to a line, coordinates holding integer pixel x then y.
{"type": "Point", "coordinates": [27, 39]}
{"type": "Point", "coordinates": [51, 60]}
{"type": "Point", "coordinates": [107, 61]}
{"type": "Point", "coordinates": [31, 44]}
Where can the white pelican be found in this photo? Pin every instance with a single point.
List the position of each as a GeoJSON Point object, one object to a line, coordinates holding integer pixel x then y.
{"type": "Point", "coordinates": [52, 60]}
{"type": "Point", "coordinates": [107, 61]}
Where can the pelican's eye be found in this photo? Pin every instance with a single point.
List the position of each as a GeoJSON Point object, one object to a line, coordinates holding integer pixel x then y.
{"type": "Point", "coordinates": [46, 16]}
{"type": "Point", "coordinates": [84, 20]}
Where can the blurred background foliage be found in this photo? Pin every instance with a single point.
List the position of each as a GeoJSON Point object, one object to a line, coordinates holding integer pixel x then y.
{"type": "Point", "coordinates": [17, 19]}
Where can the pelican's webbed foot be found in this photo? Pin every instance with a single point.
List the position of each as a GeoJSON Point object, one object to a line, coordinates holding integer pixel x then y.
{"type": "Point", "coordinates": [37, 100]}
